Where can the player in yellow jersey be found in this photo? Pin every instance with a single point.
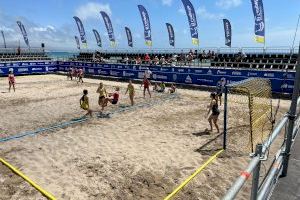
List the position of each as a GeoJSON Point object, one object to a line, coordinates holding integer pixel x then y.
{"type": "Point", "coordinates": [130, 90]}
{"type": "Point", "coordinates": [102, 94]}
{"type": "Point", "coordinates": [84, 103]}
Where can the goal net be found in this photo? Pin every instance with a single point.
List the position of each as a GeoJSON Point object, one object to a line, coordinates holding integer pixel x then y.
{"type": "Point", "coordinates": [248, 114]}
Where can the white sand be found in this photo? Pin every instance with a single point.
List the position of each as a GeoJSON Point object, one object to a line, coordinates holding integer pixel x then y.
{"type": "Point", "coordinates": [141, 154]}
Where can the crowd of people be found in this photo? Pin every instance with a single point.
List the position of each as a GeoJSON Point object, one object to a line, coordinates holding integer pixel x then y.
{"type": "Point", "coordinates": [183, 59]}
{"type": "Point", "coordinates": [170, 59]}
{"type": "Point", "coordinates": [76, 73]}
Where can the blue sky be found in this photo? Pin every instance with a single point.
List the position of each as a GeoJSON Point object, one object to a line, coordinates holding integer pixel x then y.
{"type": "Point", "coordinates": [51, 22]}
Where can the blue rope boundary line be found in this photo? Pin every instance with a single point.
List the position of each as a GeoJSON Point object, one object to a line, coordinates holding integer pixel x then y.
{"type": "Point", "coordinates": [82, 119]}
{"type": "Point", "coordinates": [137, 106]}
{"type": "Point", "coordinates": [40, 130]}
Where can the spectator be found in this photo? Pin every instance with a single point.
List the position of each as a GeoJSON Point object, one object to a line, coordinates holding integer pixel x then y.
{"type": "Point", "coordinates": [156, 60]}
{"type": "Point", "coordinates": [162, 60]}
{"type": "Point", "coordinates": [190, 57]}
{"type": "Point", "coordinates": [240, 56]}
{"type": "Point", "coordinates": [147, 59]}
{"type": "Point", "coordinates": [138, 60]}
{"type": "Point", "coordinates": [182, 58]}
{"type": "Point", "coordinates": [208, 56]}
{"type": "Point", "coordinates": [126, 60]}
{"type": "Point", "coordinates": [213, 55]}
{"type": "Point", "coordinates": [203, 56]}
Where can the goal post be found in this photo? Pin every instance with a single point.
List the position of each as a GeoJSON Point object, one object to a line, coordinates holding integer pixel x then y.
{"type": "Point", "coordinates": [247, 113]}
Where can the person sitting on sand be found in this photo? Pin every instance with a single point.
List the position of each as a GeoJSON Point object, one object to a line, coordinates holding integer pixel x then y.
{"type": "Point", "coordinates": [162, 87]}
{"type": "Point", "coordinates": [214, 108]}
{"type": "Point", "coordinates": [11, 81]}
{"type": "Point", "coordinates": [130, 89]}
{"type": "Point", "coordinates": [102, 94]}
{"type": "Point", "coordinates": [114, 100]}
{"type": "Point", "coordinates": [155, 87]}
{"type": "Point", "coordinates": [172, 89]}
{"type": "Point", "coordinates": [147, 85]}
{"type": "Point", "coordinates": [84, 103]}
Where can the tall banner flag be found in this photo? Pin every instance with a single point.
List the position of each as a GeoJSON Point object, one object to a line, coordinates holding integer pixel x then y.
{"type": "Point", "coordinates": [259, 17]}
{"type": "Point", "coordinates": [109, 28]}
{"type": "Point", "coordinates": [24, 33]}
{"type": "Point", "coordinates": [77, 42]}
{"type": "Point", "coordinates": [147, 25]}
{"type": "Point", "coordinates": [228, 32]}
{"type": "Point", "coordinates": [190, 12]}
{"type": "Point", "coordinates": [129, 36]}
{"type": "Point", "coordinates": [171, 34]}
{"type": "Point", "coordinates": [98, 38]}
{"type": "Point", "coordinates": [2, 33]}
{"type": "Point", "coordinates": [81, 31]}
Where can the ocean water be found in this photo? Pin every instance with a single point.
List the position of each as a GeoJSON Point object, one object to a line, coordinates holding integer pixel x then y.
{"type": "Point", "coordinates": [62, 55]}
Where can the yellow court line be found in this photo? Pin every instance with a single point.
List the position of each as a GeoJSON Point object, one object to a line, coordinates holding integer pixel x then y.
{"type": "Point", "coordinates": [45, 193]}
{"type": "Point", "coordinates": [193, 175]}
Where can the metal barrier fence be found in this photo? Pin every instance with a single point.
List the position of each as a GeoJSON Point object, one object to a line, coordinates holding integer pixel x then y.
{"type": "Point", "coordinates": [263, 189]}
{"type": "Point", "coordinates": [255, 50]}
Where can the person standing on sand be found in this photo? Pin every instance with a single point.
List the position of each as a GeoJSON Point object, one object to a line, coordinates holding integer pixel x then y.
{"type": "Point", "coordinates": [130, 89]}
{"type": "Point", "coordinates": [80, 76]}
{"type": "Point", "coordinates": [11, 81]}
{"type": "Point", "coordinates": [147, 85]}
{"type": "Point", "coordinates": [215, 112]}
{"type": "Point", "coordinates": [70, 74]}
{"type": "Point", "coordinates": [84, 103]}
{"type": "Point", "coordinates": [102, 94]}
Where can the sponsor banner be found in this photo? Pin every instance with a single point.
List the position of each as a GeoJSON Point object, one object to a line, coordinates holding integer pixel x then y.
{"type": "Point", "coordinates": [281, 81]}
{"type": "Point", "coordinates": [147, 25]}
{"type": "Point", "coordinates": [24, 33]}
{"type": "Point", "coordinates": [77, 42]}
{"type": "Point", "coordinates": [109, 27]}
{"type": "Point", "coordinates": [192, 19]}
{"type": "Point", "coordinates": [98, 38]}
{"type": "Point", "coordinates": [81, 31]}
{"type": "Point", "coordinates": [259, 18]}
{"type": "Point", "coordinates": [129, 37]}
{"type": "Point", "coordinates": [171, 34]}
{"type": "Point", "coordinates": [228, 32]}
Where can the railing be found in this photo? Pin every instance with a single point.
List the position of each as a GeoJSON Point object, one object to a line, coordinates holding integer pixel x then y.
{"type": "Point", "coordinates": [22, 50]}
{"type": "Point", "coordinates": [249, 50]}
{"type": "Point", "coordinates": [280, 163]}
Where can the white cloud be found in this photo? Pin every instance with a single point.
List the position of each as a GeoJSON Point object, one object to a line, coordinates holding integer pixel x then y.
{"type": "Point", "coordinates": [92, 10]}
{"type": "Point", "coordinates": [43, 29]}
{"type": "Point", "coordinates": [227, 4]}
{"type": "Point", "coordinates": [6, 29]}
{"type": "Point", "coordinates": [167, 2]}
{"type": "Point", "coordinates": [203, 13]}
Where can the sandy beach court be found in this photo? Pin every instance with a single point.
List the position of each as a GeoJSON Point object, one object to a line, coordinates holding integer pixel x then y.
{"type": "Point", "coordinates": [139, 154]}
